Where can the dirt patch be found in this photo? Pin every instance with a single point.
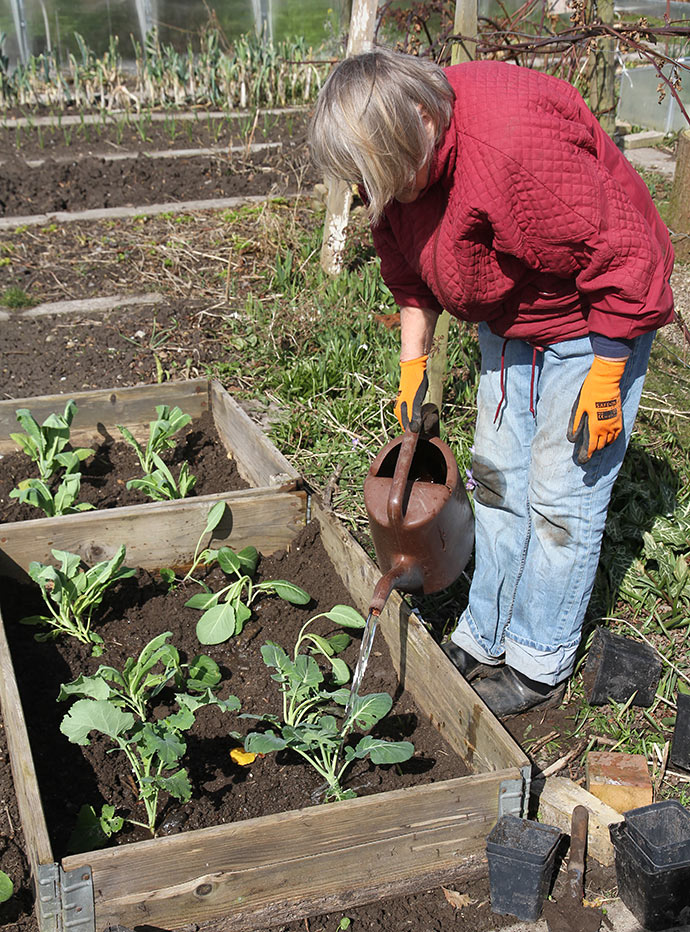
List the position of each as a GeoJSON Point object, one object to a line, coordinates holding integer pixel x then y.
{"type": "Point", "coordinates": [113, 462]}
{"type": "Point", "coordinates": [90, 181]}
{"type": "Point", "coordinates": [64, 139]}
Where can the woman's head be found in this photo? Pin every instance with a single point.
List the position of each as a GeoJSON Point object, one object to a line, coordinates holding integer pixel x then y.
{"type": "Point", "coordinates": [376, 122]}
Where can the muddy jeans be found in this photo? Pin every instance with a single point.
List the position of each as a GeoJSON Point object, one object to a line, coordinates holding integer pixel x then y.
{"type": "Point", "coordinates": [539, 515]}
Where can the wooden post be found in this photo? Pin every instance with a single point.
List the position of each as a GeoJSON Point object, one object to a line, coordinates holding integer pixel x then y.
{"type": "Point", "coordinates": [603, 86]}
{"type": "Point", "coordinates": [465, 24]}
{"type": "Point", "coordinates": [360, 39]}
{"type": "Point", "coordinates": [679, 206]}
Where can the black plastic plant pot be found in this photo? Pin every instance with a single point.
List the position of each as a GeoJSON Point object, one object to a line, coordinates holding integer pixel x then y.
{"type": "Point", "coordinates": [521, 857]}
{"type": "Point", "coordinates": [657, 896]}
{"type": "Point", "coordinates": [618, 668]}
{"type": "Point", "coordinates": [662, 831]}
{"type": "Point", "coordinates": [680, 745]}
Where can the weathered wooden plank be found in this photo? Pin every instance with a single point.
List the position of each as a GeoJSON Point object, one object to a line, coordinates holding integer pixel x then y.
{"type": "Point", "coordinates": [451, 704]}
{"type": "Point", "coordinates": [279, 912]}
{"type": "Point", "coordinates": [157, 533]}
{"type": "Point", "coordinates": [100, 411]}
{"type": "Point", "coordinates": [296, 858]}
{"type": "Point", "coordinates": [258, 460]}
{"type": "Point", "coordinates": [38, 849]}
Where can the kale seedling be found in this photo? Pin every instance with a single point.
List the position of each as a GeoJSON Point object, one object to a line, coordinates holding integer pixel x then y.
{"type": "Point", "coordinates": [72, 594]}
{"type": "Point", "coordinates": [46, 443]}
{"type": "Point", "coordinates": [64, 502]}
{"type": "Point", "coordinates": [92, 830]}
{"type": "Point", "coordinates": [161, 432]}
{"type": "Point", "coordinates": [226, 611]}
{"type": "Point", "coordinates": [118, 704]}
{"type": "Point", "coordinates": [308, 724]}
{"type": "Point", "coordinates": [160, 484]}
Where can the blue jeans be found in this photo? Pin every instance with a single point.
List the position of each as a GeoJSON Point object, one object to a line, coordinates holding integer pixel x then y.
{"type": "Point", "coordinates": [539, 515]}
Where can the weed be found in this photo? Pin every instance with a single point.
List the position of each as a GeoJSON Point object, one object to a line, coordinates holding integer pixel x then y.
{"type": "Point", "coordinates": [16, 298]}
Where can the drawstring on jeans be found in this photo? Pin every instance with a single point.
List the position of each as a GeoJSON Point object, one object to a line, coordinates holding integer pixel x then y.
{"type": "Point", "coordinates": [535, 350]}
{"type": "Point", "coordinates": [531, 383]}
{"type": "Point", "coordinates": [503, 386]}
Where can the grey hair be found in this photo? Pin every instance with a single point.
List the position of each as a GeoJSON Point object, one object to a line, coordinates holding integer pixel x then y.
{"type": "Point", "coordinates": [367, 126]}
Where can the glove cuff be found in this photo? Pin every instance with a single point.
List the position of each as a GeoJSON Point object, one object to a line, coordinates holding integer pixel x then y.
{"type": "Point", "coordinates": [609, 368]}
{"type": "Point", "coordinates": [413, 363]}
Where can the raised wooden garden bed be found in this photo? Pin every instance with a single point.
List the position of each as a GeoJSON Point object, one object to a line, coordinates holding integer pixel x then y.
{"type": "Point", "coordinates": [275, 868]}
{"type": "Point", "coordinates": [95, 533]}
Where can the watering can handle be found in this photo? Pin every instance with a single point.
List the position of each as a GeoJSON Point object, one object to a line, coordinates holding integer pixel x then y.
{"type": "Point", "coordinates": [401, 474]}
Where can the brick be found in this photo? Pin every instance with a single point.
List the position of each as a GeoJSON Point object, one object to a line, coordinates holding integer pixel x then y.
{"type": "Point", "coordinates": [622, 781]}
{"type": "Point", "coordinates": [558, 796]}
{"type": "Point", "coordinates": [642, 140]}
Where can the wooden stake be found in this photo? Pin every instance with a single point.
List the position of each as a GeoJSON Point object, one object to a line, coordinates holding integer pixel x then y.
{"type": "Point", "coordinates": [360, 39]}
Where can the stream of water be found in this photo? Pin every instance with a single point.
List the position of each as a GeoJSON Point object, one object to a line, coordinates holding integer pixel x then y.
{"type": "Point", "coordinates": [362, 661]}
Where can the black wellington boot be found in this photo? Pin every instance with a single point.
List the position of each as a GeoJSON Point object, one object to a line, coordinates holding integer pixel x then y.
{"type": "Point", "coordinates": [464, 662]}
{"type": "Point", "coordinates": [507, 692]}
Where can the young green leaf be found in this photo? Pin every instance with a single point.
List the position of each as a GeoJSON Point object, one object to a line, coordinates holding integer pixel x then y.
{"type": "Point", "coordinates": [346, 616]}
{"type": "Point", "coordinates": [217, 624]}
{"type": "Point", "coordinates": [289, 591]}
{"type": "Point", "coordinates": [384, 752]}
{"type": "Point", "coordinates": [87, 715]}
{"type": "Point", "coordinates": [6, 887]}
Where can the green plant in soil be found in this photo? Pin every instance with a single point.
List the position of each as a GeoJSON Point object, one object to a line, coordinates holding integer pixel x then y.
{"type": "Point", "coordinates": [93, 830]}
{"type": "Point", "coordinates": [47, 444]}
{"type": "Point", "coordinates": [226, 611]}
{"type": "Point", "coordinates": [61, 502]}
{"type": "Point", "coordinates": [16, 298]}
{"type": "Point", "coordinates": [311, 707]}
{"type": "Point", "coordinates": [160, 485]}
{"type": "Point", "coordinates": [161, 435]}
{"type": "Point", "coordinates": [119, 704]}
{"type": "Point", "coordinates": [72, 594]}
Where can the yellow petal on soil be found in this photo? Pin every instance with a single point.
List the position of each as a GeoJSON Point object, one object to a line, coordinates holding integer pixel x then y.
{"type": "Point", "coordinates": [243, 758]}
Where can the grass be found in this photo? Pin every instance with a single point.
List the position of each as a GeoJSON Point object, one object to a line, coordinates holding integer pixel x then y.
{"type": "Point", "coordinates": [16, 298]}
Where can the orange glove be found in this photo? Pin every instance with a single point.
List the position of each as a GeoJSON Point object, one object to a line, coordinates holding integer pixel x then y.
{"type": "Point", "coordinates": [597, 416]}
{"type": "Point", "coordinates": [413, 388]}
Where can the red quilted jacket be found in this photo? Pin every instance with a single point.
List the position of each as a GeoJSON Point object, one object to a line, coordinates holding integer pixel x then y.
{"type": "Point", "coordinates": [532, 219]}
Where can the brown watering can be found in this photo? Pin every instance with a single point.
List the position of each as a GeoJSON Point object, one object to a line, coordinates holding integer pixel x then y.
{"type": "Point", "coordinates": [420, 518]}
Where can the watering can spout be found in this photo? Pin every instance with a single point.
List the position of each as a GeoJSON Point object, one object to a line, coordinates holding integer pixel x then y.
{"type": "Point", "coordinates": [406, 575]}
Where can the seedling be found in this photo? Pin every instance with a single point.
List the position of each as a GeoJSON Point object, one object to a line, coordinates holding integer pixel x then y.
{"type": "Point", "coordinates": [93, 831]}
{"type": "Point", "coordinates": [46, 443]}
{"type": "Point", "coordinates": [64, 502]}
{"type": "Point", "coordinates": [72, 594]}
{"type": "Point", "coordinates": [225, 612]}
{"type": "Point", "coordinates": [308, 724]}
{"type": "Point", "coordinates": [118, 704]}
{"type": "Point", "coordinates": [160, 485]}
{"type": "Point", "coordinates": [161, 433]}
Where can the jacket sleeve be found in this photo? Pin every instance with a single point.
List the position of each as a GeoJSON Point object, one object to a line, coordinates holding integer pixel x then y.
{"type": "Point", "coordinates": [406, 285]}
{"type": "Point", "coordinates": [628, 260]}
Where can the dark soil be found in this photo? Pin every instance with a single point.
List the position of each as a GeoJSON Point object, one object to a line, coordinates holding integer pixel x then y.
{"type": "Point", "coordinates": [106, 471]}
{"type": "Point", "coordinates": [90, 181]}
{"type": "Point", "coordinates": [78, 352]}
{"type": "Point", "coordinates": [61, 139]}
